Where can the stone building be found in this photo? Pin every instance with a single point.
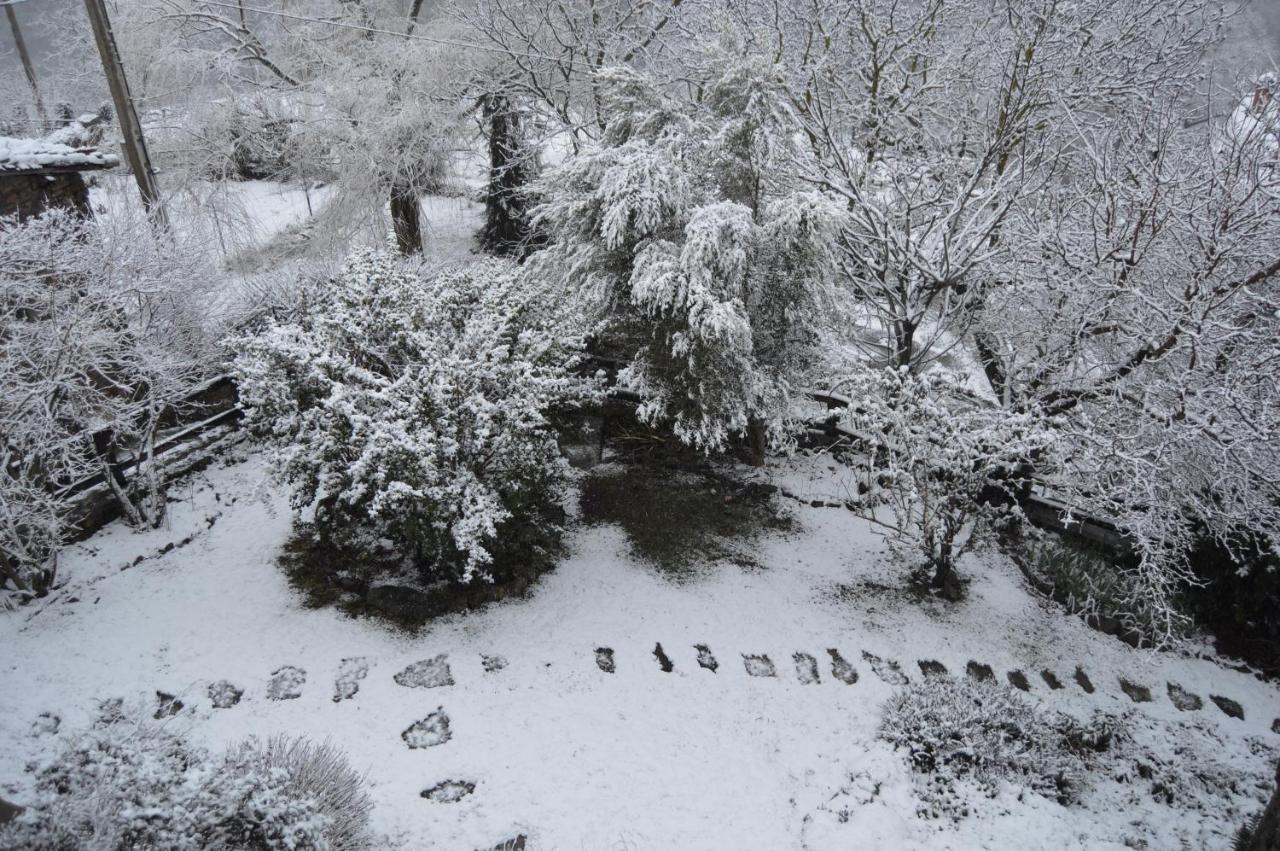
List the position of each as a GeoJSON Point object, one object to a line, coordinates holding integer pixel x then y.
{"type": "Point", "coordinates": [43, 174]}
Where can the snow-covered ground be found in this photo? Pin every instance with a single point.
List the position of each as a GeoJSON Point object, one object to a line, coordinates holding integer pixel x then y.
{"type": "Point", "coordinates": [575, 757]}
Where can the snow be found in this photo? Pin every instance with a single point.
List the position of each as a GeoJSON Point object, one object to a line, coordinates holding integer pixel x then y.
{"type": "Point", "coordinates": [27, 155]}
{"type": "Point", "coordinates": [576, 757]}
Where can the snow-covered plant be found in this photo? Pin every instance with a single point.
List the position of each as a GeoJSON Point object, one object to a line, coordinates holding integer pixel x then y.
{"type": "Point", "coordinates": [416, 407]}
{"type": "Point", "coordinates": [101, 339]}
{"type": "Point", "coordinates": [136, 784]}
{"type": "Point", "coordinates": [946, 468]}
{"type": "Point", "coordinates": [962, 731]}
{"type": "Point", "coordinates": [683, 237]}
{"type": "Point", "coordinates": [1142, 316]}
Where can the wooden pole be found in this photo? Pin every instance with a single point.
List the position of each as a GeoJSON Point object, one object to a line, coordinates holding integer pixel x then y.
{"type": "Point", "coordinates": [135, 146]}
{"type": "Point", "coordinates": [27, 67]}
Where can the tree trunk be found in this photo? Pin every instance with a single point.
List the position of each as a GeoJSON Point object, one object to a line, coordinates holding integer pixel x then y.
{"type": "Point", "coordinates": [945, 580]}
{"type": "Point", "coordinates": [757, 441]}
{"type": "Point", "coordinates": [405, 219]}
{"type": "Point", "coordinates": [506, 219]}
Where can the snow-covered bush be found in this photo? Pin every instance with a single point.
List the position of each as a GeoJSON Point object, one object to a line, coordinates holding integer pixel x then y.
{"type": "Point", "coordinates": [135, 784]}
{"type": "Point", "coordinates": [697, 256]}
{"type": "Point", "coordinates": [415, 408]}
{"type": "Point", "coordinates": [982, 733]}
{"type": "Point", "coordinates": [101, 337]}
{"type": "Point", "coordinates": [946, 468]}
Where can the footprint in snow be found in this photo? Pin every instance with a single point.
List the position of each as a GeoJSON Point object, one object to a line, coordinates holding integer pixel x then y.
{"type": "Point", "coordinates": [604, 659]}
{"type": "Point", "coordinates": [167, 705]}
{"type": "Point", "coordinates": [1183, 699]}
{"type": "Point", "coordinates": [449, 791]}
{"type": "Point", "coordinates": [286, 683]}
{"type": "Point", "coordinates": [841, 669]}
{"type": "Point", "coordinates": [932, 668]}
{"type": "Point", "coordinates": [493, 664]}
{"type": "Point", "coordinates": [979, 671]}
{"type": "Point", "coordinates": [429, 673]}
{"type": "Point", "coordinates": [1051, 679]}
{"type": "Point", "coordinates": [224, 694]}
{"type": "Point", "coordinates": [46, 723]}
{"type": "Point", "coordinates": [889, 671]}
{"type": "Point", "coordinates": [1228, 706]}
{"type": "Point", "coordinates": [429, 732]}
{"type": "Point", "coordinates": [1137, 693]}
{"type": "Point", "coordinates": [806, 668]}
{"type": "Point", "coordinates": [1018, 680]}
{"type": "Point", "coordinates": [350, 673]}
{"type": "Point", "coordinates": [759, 665]}
{"type": "Point", "coordinates": [1082, 680]}
{"type": "Point", "coordinates": [663, 662]}
{"type": "Point", "coordinates": [705, 658]}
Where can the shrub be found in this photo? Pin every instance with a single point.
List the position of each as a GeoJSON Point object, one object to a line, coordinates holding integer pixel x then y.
{"type": "Point", "coordinates": [416, 409]}
{"type": "Point", "coordinates": [136, 785]}
{"type": "Point", "coordinates": [947, 469]}
{"type": "Point", "coordinates": [1104, 594]}
{"type": "Point", "coordinates": [968, 731]}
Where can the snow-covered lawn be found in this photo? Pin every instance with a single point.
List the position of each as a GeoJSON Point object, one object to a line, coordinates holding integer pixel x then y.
{"type": "Point", "coordinates": [576, 757]}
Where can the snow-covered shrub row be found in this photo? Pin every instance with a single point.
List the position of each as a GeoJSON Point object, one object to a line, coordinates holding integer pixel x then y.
{"type": "Point", "coordinates": [127, 784]}
{"type": "Point", "coordinates": [415, 407]}
{"type": "Point", "coordinates": [966, 731]}
{"type": "Point", "coordinates": [947, 470]}
{"type": "Point", "coordinates": [685, 240]}
{"type": "Point", "coordinates": [101, 336]}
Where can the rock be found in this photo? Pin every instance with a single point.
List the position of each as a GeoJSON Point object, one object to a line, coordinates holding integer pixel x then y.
{"type": "Point", "coordinates": [224, 694]}
{"type": "Point", "coordinates": [1183, 699]}
{"type": "Point", "coordinates": [706, 659]}
{"type": "Point", "coordinates": [492, 664]}
{"type": "Point", "coordinates": [806, 669]}
{"type": "Point", "coordinates": [429, 732]}
{"type": "Point", "coordinates": [979, 671]}
{"type": "Point", "coordinates": [889, 671]}
{"type": "Point", "coordinates": [758, 665]}
{"type": "Point", "coordinates": [429, 673]}
{"type": "Point", "coordinates": [1051, 679]}
{"type": "Point", "coordinates": [1228, 706]}
{"type": "Point", "coordinates": [932, 668]}
{"type": "Point", "coordinates": [350, 673]}
{"type": "Point", "coordinates": [167, 705]}
{"type": "Point", "coordinates": [604, 659]}
{"type": "Point", "coordinates": [1018, 680]}
{"type": "Point", "coordinates": [1137, 693]}
{"type": "Point", "coordinates": [286, 683]}
{"type": "Point", "coordinates": [449, 791]}
{"type": "Point", "coordinates": [841, 669]}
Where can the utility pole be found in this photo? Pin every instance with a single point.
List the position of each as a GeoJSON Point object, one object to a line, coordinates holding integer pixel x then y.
{"type": "Point", "coordinates": [135, 146]}
{"type": "Point", "coordinates": [25, 57]}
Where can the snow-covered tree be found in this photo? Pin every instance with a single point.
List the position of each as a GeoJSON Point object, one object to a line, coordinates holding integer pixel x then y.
{"type": "Point", "coordinates": [417, 408]}
{"type": "Point", "coordinates": [682, 235]}
{"type": "Point", "coordinates": [102, 338]}
{"type": "Point", "coordinates": [947, 469]}
{"type": "Point", "coordinates": [1141, 315]}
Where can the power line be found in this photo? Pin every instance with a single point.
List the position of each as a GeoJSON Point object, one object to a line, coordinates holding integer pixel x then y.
{"type": "Point", "coordinates": [411, 36]}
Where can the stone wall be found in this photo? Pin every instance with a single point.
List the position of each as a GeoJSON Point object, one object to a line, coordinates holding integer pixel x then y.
{"type": "Point", "coordinates": [30, 195]}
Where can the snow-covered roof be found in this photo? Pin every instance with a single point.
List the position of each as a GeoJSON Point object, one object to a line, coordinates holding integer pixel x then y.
{"type": "Point", "coordinates": [32, 156]}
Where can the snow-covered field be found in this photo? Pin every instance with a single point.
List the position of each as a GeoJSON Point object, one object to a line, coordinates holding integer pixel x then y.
{"type": "Point", "coordinates": [575, 757]}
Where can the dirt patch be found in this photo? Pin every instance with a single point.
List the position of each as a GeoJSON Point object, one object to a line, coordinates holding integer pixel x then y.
{"type": "Point", "coordinates": [678, 517]}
